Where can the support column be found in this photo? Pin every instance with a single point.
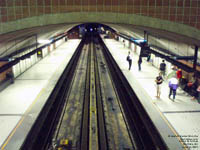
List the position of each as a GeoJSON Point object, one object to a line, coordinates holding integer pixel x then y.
{"type": "Point", "coordinates": [54, 45]}
{"type": "Point", "coordinates": [195, 58]}
{"type": "Point", "coordinates": [135, 48]}
{"type": "Point", "coordinates": [147, 38]}
{"type": "Point", "coordinates": [129, 44]}
{"type": "Point", "coordinates": [145, 32]}
{"type": "Point", "coordinates": [36, 39]}
{"type": "Point", "coordinates": [49, 49]}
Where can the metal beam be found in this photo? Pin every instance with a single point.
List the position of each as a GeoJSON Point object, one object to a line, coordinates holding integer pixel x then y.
{"type": "Point", "coordinates": [182, 57]}
{"type": "Point", "coordinates": [145, 34]}
{"type": "Point", "coordinates": [195, 57]}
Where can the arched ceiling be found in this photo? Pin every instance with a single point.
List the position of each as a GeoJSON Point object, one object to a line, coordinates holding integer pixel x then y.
{"type": "Point", "coordinates": [13, 41]}
{"type": "Point", "coordinates": [138, 32]}
{"type": "Point", "coordinates": [178, 16]}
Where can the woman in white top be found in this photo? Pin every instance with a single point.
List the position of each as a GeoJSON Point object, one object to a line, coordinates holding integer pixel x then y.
{"type": "Point", "coordinates": [129, 59]}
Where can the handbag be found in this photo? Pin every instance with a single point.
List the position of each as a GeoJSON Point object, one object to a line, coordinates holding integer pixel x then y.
{"type": "Point", "coordinates": [198, 89]}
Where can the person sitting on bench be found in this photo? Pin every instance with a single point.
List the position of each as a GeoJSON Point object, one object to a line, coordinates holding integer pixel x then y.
{"type": "Point", "coordinates": [191, 85]}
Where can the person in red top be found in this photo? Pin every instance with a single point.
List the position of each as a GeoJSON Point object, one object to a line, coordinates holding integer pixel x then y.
{"type": "Point", "coordinates": [179, 74]}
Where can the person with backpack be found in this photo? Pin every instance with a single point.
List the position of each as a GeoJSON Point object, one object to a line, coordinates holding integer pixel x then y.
{"type": "Point", "coordinates": [129, 59]}
{"type": "Point", "coordinates": [173, 85]}
{"type": "Point", "coordinates": [163, 68]}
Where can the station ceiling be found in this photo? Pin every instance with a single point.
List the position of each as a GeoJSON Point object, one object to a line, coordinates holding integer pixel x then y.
{"type": "Point", "coordinates": [179, 16]}
{"type": "Point", "coordinates": [180, 11]}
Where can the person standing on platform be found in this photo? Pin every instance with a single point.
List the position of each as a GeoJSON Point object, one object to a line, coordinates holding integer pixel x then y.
{"type": "Point", "coordinates": [173, 85]}
{"type": "Point", "coordinates": [198, 93]}
{"type": "Point", "coordinates": [129, 59]}
{"type": "Point", "coordinates": [191, 84]}
{"type": "Point", "coordinates": [158, 81]}
{"type": "Point", "coordinates": [163, 68]}
{"type": "Point", "coordinates": [139, 63]}
{"type": "Point", "coordinates": [179, 75]}
{"type": "Point", "coordinates": [172, 73]}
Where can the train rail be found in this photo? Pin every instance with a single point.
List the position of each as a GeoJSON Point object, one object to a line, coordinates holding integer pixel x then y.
{"type": "Point", "coordinates": [95, 135]}
{"type": "Point", "coordinates": [93, 108]}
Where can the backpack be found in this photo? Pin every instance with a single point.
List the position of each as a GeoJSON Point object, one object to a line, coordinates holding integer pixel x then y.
{"type": "Point", "coordinates": [162, 66]}
{"type": "Point", "coordinates": [128, 58]}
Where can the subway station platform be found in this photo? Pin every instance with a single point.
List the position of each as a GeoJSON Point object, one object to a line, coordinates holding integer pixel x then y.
{"type": "Point", "coordinates": [21, 102]}
{"type": "Point", "coordinates": [181, 116]}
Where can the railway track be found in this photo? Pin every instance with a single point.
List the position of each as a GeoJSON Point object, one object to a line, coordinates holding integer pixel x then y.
{"type": "Point", "coordinates": [91, 108]}
{"type": "Point", "coordinates": [93, 116]}
{"type": "Point", "coordinates": [88, 130]}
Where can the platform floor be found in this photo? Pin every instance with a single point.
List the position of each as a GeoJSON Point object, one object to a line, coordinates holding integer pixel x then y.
{"type": "Point", "coordinates": [182, 116]}
{"type": "Point", "coordinates": [33, 85]}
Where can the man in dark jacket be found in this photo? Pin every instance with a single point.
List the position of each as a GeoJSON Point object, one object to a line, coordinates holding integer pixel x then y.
{"type": "Point", "coordinates": [163, 68]}
{"type": "Point", "coordinates": [139, 63]}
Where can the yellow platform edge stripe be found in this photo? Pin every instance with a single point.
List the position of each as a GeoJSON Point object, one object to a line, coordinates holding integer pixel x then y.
{"type": "Point", "coordinates": [171, 127]}
{"type": "Point", "coordinates": [21, 120]}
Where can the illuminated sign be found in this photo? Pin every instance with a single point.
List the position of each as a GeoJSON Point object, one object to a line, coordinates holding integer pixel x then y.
{"type": "Point", "coordinates": [140, 41]}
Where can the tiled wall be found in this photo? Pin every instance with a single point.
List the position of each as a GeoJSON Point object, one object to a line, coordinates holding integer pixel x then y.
{"type": "Point", "coordinates": [181, 11]}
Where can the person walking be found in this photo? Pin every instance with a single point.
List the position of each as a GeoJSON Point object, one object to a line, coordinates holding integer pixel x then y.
{"type": "Point", "coordinates": [163, 68]}
{"type": "Point", "coordinates": [173, 85]}
{"type": "Point", "coordinates": [139, 63]}
{"type": "Point", "coordinates": [129, 59]}
{"type": "Point", "coordinates": [158, 81]}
